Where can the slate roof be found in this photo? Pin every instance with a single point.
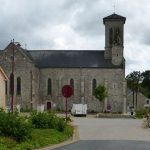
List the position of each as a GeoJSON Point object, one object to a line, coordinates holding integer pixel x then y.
{"type": "Point", "coordinates": [114, 17]}
{"type": "Point", "coordinates": [70, 59]}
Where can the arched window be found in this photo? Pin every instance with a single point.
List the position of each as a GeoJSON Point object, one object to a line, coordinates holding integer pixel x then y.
{"type": "Point", "coordinates": [11, 85]}
{"type": "Point", "coordinates": [117, 36]}
{"type": "Point", "coordinates": [93, 85]}
{"type": "Point", "coordinates": [49, 86]}
{"type": "Point", "coordinates": [111, 36]}
{"type": "Point", "coordinates": [18, 86]}
{"type": "Point", "coordinates": [72, 84]}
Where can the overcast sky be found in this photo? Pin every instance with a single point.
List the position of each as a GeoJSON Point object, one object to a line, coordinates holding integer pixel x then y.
{"type": "Point", "coordinates": [76, 25]}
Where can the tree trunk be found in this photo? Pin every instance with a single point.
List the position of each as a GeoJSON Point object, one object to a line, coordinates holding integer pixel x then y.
{"type": "Point", "coordinates": [136, 98]}
{"type": "Point", "coordinates": [102, 106]}
{"type": "Point", "coordinates": [133, 97]}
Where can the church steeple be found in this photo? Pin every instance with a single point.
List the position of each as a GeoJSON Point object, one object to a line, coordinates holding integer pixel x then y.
{"type": "Point", "coordinates": [114, 33]}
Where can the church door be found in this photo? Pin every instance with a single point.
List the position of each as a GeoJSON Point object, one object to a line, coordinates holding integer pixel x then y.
{"type": "Point", "coordinates": [49, 106]}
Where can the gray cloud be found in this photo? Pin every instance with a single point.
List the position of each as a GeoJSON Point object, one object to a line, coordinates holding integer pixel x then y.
{"type": "Point", "coordinates": [75, 24]}
{"type": "Point", "coordinates": [23, 20]}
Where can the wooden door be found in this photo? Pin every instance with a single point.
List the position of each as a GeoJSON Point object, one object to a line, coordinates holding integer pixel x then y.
{"type": "Point", "coordinates": [49, 106]}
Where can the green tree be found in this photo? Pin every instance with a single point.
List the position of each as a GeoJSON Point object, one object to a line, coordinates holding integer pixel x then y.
{"type": "Point", "coordinates": [146, 79]}
{"type": "Point", "coordinates": [100, 93]}
{"type": "Point", "coordinates": [146, 83]}
{"type": "Point", "coordinates": [133, 82]}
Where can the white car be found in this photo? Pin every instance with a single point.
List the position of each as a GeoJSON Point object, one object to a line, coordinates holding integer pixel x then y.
{"type": "Point", "coordinates": [79, 109]}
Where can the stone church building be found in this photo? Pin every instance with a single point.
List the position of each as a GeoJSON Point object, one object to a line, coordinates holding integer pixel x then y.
{"type": "Point", "coordinates": [40, 74]}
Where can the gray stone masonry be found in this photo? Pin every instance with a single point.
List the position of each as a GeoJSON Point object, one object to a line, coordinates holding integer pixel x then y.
{"type": "Point", "coordinates": [114, 77]}
{"type": "Point", "coordinates": [23, 68]}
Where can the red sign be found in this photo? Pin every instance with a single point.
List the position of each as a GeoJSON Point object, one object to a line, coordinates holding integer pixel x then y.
{"type": "Point", "coordinates": [67, 91]}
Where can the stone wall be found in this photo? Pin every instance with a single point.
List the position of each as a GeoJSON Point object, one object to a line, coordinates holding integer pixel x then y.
{"type": "Point", "coordinates": [83, 82]}
{"type": "Point", "coordinates": [141, 100]}
{"type": "Point", "coordinates": [22, 68]}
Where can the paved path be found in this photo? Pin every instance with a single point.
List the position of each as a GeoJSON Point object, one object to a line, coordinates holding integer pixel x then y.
{"type": "Point", "coordinates": [110, 134]}
{"type": "Point", "coordinates": [111, 129]}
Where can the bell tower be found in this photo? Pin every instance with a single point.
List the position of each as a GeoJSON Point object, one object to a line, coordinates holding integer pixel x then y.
{"type": "Point", "coordinates": [114, 38]}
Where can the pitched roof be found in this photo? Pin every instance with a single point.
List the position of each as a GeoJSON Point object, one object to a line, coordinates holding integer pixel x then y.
{"type": "Point", "coordinates": [3, 73]}
{"type": "Point", "coordinates": [68, 58]}
{"type": "Point", "coordinates": [17, 46]}
{"type": "Point", "coordinates": [71, 59]}
{"type": "Point", "coordinates": [114, 17]}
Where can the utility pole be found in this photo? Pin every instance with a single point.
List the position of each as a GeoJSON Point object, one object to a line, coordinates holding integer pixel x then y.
{"type": "Point", "coordinates": [31, 102]}
{"type": "Point", "coordinates": [12, 79]}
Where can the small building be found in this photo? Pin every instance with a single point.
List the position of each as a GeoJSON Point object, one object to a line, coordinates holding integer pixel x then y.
{"type": "Point", "coordinates": [3, 84]}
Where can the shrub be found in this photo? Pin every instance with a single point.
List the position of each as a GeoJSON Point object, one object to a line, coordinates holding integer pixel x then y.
{"type": "Point", "coordinates": [41, 120]}
{"type": "Point", "coordinates": [12, 125]}
{"type": "Point", "coordinates": [93, 111]}
{"type": "Point", "coordinates": [47, 120]}
{"type": "Point", "coordinates": [7, 143]}
{"type": "Point", "coordinates": [60, 124]}
{"type": "Point", "coordinates": [68, 119]}
{"type": "Point", "coordinates": [142, 113]}
{"type": "Point", "coordinates": [69, 130]}
{"type": "Point", "coordinates": [25, 109]}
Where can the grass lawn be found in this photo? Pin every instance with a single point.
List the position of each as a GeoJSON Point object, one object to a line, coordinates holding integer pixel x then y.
{"type": "Point", "coordinates": [40, 138]}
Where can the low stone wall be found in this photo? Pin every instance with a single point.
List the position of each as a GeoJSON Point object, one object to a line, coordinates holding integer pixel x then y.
{"type": "Point", "coordinates": [102, 115]}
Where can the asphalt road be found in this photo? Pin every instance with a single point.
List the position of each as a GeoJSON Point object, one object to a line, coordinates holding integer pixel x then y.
{"type": "Point", "coordinates": [107, 145]}
{"type": "Point", "coordinates": [111, 129]}
{"type": "Point", "coordinates": [109, 134]}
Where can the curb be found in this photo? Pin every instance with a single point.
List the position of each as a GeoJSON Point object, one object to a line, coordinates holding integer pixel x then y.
{"type": "Point", "coordinates": [74, 139]}
{"type": "Point", "coordinates": [115, 116]}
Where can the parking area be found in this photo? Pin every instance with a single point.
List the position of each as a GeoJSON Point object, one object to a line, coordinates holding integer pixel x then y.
{"type": "Point", "coordinates": [91, 128]}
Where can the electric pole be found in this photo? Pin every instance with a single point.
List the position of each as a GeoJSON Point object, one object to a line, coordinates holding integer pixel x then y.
{"type": "Point", "coordinates": [12, 79]}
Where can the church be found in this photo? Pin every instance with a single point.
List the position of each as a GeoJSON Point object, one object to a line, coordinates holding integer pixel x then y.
{"type": "Point", "coordinates": [39, 75]}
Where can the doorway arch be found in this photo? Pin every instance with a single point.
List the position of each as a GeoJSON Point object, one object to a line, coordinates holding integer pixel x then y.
{"type": "Point", "coordinates": [49, 106]}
